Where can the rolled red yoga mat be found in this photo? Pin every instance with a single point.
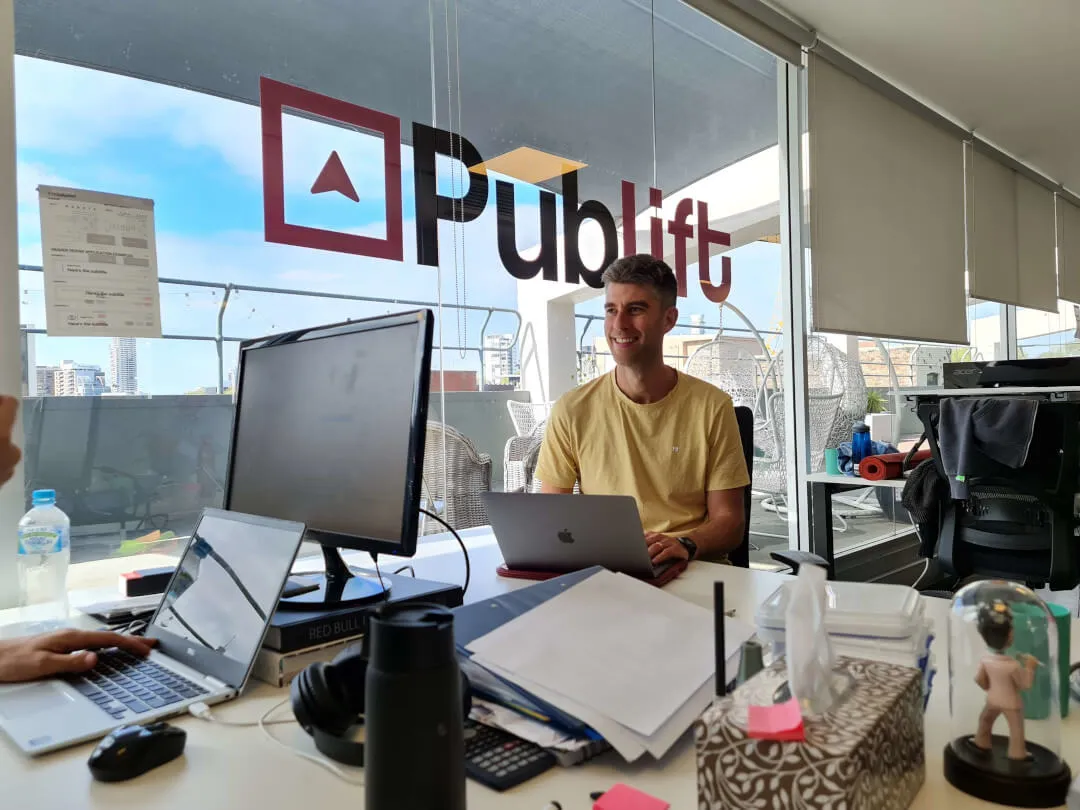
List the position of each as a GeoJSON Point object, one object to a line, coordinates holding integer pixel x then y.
{"type": "Point", "coordinates": [888, 465]}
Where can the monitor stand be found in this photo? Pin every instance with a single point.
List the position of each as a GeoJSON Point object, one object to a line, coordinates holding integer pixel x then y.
{"type": "Point", "coordinates": [338, 586]}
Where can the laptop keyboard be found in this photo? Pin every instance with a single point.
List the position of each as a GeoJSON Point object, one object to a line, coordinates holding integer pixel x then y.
{"type": "Point", "coordinates": [123, 683]}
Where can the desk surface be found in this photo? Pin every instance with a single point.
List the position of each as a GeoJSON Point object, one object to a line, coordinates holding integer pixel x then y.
{"type": "Point", "coordinates": [852, 481]}
{"type": "Point", "coordinates": [230, 767]}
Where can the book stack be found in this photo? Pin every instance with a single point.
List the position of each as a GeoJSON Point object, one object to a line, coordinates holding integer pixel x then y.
{"type": "Point", "coordinates": [297, 638]}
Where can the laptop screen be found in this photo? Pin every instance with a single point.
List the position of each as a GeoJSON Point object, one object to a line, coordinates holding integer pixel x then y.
{"type": "Point", "coordinates": [219, 602]}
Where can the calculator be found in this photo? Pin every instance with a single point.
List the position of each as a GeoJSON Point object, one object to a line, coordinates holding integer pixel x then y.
{"type": "Point", "coordinates": [500, 760]}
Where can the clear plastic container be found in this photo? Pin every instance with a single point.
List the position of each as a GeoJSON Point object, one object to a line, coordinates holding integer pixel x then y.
{"type": "Point", "coordinates": [1004, 697]}
{"type": "Point", "coordinates": [43, 558]}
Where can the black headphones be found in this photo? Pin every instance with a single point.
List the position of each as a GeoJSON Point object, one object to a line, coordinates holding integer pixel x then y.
{"type": "Point", "coordinates": [328, 700]}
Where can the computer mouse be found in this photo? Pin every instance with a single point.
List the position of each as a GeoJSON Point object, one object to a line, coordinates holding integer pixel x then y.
{"type": "Point", "coordinates": [133, 750]}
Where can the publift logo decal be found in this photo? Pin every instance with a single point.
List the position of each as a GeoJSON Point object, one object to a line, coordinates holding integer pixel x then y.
{"type": "Point", "coordinates": [427, 143]}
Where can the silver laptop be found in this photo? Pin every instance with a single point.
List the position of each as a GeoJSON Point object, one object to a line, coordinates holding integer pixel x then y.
{"type": "Point", "coordinates": [570, 532]}
{"type": "Point", "coordinates": [209, 626]}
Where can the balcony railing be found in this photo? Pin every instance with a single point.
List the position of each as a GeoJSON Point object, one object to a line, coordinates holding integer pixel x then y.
{"type": "Point", "coordinates": [219, 339]}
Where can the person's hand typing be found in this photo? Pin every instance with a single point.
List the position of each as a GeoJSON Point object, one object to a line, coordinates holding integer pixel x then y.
{"type": "Point", "coordinates": [663, 548]}
{"type": "Point", "coordinates": [9, 453]}
{"type": "Point", "coordinates": [33, 657]}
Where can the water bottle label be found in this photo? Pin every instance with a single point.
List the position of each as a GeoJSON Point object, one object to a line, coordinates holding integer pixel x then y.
{"type": "Point", "coordinates": [42, 541]}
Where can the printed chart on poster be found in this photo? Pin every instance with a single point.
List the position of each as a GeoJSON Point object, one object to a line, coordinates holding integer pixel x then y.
{"type": "Point", "coordinates": [100, 262]}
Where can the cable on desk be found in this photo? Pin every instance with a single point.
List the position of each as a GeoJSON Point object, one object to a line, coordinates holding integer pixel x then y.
{"type": "Point", "coordinates": [409, 568]}
{"type": "Point", "coordinates": [202, 711]}
{"type": "Point", "coordinates": [320, 761]}
{"type": "Point", "coordinates": [465, 551]}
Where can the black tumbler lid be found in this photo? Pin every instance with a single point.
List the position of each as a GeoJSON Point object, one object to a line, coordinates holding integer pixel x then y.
{"type": "Point", "coordinates": [411, 637]}
{"type": "Point", "coordinates": [861, 427]}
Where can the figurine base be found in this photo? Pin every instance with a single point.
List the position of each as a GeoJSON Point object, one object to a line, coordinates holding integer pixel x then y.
{"type": "Point", "coordinates": [1042, 780]}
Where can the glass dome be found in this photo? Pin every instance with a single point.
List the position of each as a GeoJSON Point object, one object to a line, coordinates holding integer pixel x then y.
{"type": "Point", "coordinates": [1004, 697]}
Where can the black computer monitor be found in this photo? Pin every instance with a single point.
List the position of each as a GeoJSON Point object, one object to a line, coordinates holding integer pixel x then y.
{"type": "Point", "coordinates": [329, 431]}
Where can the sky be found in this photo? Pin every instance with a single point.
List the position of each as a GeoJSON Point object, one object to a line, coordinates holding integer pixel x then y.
{"type": "Point", "coordinates": [199, 158]}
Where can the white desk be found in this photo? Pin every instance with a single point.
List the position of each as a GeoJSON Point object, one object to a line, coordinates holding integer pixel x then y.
{"type": "Point", "coordinates": [233, 768]}
{"type": "Point", "coordinates": [854, 481]}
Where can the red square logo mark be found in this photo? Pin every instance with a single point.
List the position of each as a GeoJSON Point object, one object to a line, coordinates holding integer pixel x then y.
{"type": "Point", "coordinates": [274, 96]}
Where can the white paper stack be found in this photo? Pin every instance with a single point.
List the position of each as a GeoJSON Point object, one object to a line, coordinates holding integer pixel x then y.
{"type": "Point", "coordinates": [634, 663]}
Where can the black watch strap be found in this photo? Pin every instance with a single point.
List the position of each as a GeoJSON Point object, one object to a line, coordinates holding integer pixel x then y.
{"type": "Point", "coordinates": [689, 545]}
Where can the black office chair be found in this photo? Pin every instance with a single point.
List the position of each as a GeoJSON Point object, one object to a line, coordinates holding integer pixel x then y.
{"type": "Point", "coordinates": [740, 556]}
{"type": "Point", "coordinates": [1018, 524]}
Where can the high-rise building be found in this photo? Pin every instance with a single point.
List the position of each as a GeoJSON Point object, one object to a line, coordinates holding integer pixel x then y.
{"type": "Point", "coordinates": [46, 381]}
{"type": "Point", "coordinates": [123, 367]}
{"type": "Point", "coordinates": [77, 380]}
{"type": "Point", "coordinates": [697, 321]}
{"type": "Point", "coordinates": [29, 362]}
{"type": "Point", "coordinates": [500, 359]}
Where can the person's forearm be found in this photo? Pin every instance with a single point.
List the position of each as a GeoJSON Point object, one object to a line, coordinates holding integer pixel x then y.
{"type": "Point", "coordinates": [717, 536]}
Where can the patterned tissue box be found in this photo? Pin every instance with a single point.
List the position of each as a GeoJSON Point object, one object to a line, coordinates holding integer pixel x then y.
{"type": "Point", "coordinates": [866, 753]}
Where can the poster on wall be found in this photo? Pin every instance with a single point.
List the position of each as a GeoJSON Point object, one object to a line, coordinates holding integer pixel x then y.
{"type": "Point", "coordinates": [100, 263]}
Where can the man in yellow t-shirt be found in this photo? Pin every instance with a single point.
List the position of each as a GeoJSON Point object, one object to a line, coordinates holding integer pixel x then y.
{"type": "Point", "coordinates": [646, 430]}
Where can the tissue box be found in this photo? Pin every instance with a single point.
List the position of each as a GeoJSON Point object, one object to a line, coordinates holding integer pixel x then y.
{"type": "Point", "coordinates": [865, 753]}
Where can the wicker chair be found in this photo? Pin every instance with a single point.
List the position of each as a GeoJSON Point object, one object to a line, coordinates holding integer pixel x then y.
{"type": "Point", "coordinates": [454, 480]}
{"type": "Point", "coordinates": [770, 470]}
{"type": "Point", "coordinates": [830, 371]}
{"type": "Point", "coordinates": [525, 416]}
{"type": "Point", "coordinates": [517, 455]}
{"type": "Point", "coordinates": [731, 368]}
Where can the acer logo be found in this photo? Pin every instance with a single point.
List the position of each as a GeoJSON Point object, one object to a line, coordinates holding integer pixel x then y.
{"type": "Point", "coordinates": [431, 207]}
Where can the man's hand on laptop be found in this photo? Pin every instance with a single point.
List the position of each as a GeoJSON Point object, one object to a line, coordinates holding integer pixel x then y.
{"type": "Point", "coordinates": [664, 549]}
{"type": "Point", "coordinates": [33, 657]}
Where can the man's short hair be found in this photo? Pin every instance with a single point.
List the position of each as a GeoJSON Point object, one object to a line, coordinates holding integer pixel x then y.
{"type": "Point", "coordinates": [644, 270]}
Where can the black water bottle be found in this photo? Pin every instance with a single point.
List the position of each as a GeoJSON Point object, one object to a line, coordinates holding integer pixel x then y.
{"type": "Point", "coordinates": [414, 756]}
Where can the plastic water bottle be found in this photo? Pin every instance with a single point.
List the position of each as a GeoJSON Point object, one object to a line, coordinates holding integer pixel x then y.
{"type": "Point", "coordinates": [860, 444]}
{"type": "Point", "coordinates": [44, 554]}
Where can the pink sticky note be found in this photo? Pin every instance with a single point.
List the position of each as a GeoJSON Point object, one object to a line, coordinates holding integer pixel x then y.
{"type": "Point", "coordinates": [624, 797]}
{"type": "Point", "coordinates": [781, 721]}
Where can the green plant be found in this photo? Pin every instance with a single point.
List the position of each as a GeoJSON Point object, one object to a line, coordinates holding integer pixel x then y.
{"type": "Point", "coordinates": [875, 401]}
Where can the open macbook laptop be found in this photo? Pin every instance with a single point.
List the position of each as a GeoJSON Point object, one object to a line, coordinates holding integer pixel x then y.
{"type": "Point", "coordinates": [569, 532]}
{"type": "Point", "coordinates": [209, 626]}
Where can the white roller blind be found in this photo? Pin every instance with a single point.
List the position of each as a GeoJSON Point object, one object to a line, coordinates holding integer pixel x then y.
{"type": "Point", "coordinates": [992, 236]}
{"type": "Point", "coordinates": [1035, 245]}
{"type": "Point", "coordinates": [1010, 236]}
{"type": "Point", "coordinates": [886, 216]}
{"type": "Point", "coordinates": [1068, 251]}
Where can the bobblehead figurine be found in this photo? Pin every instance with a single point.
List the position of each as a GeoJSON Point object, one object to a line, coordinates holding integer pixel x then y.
{"type": "Point", "coordinates": [1003, 678]}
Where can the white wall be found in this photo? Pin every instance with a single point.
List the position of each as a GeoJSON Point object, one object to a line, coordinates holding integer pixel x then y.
{"type": "Point", "coordinates": [11, 496]}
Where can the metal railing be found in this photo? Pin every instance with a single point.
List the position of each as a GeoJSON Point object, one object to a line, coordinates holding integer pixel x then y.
{"type": "Point", "coordinates": [219, 339]}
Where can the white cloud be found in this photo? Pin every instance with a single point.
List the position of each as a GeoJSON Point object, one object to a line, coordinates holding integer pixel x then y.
{"type": "Point", "coordinates": [74, 111]}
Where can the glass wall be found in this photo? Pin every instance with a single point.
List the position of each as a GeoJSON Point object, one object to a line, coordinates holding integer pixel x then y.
{"type": "Point", "coordinates": [560, 111]}
{"type": "Point", "coordinates": [860, 379]}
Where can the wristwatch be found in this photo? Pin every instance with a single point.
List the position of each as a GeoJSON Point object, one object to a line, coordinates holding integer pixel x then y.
{"type": "Point", "coordinates": [689, 545]}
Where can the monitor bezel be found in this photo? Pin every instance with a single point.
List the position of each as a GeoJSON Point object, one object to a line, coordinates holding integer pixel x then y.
{"type": "Point", "coordinates": [414, 472]}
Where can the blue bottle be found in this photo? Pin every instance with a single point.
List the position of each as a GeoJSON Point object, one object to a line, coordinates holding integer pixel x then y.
{"type": "Point", "coordinates": [860, 444]}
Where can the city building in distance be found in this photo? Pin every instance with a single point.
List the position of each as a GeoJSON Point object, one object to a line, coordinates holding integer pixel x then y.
{"type": "Point", "coordinates": [123, 366]}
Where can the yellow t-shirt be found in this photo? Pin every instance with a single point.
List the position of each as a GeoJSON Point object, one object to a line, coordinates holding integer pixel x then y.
{"type": "Point", "coordinates": [666, 454]}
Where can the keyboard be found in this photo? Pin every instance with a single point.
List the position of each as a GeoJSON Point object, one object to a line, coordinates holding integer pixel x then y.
{"type": "Point", "coordinates": [122, 684]}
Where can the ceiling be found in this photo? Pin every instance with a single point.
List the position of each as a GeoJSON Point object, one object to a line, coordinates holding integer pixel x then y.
{"type": "Point", "coordinates": [573, 78]}
{"type": "Point", "coordinates": [1007, 69]}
